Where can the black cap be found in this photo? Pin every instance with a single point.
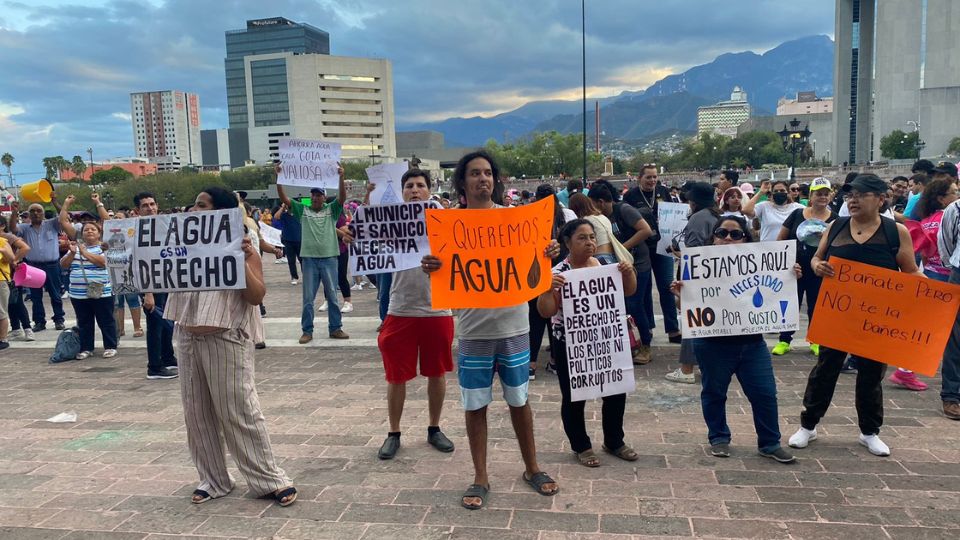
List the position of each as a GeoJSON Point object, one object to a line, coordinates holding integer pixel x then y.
{"type": "Point", "coordinates": [242, 194]}
{"type": "Point", "coordinates": [866, 183]}
{"type": "Point", "coordinates": [317, 190]}
{"type": "Point", "coordinates": [945, 167]}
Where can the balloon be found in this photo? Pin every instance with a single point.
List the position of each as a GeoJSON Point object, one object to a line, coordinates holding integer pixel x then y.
{"type": "Point", "coordinates": [810, 231]}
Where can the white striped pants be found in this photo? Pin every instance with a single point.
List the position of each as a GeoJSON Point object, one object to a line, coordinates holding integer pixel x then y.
{"type": "Point", "coordinates": [220, 405]}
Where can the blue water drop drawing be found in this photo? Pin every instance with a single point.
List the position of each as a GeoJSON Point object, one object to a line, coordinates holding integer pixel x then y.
{"type": "Point", "coordinates": [757, 298]}
{"type": "Point", "coordinates": [686, 268]}
{"type": "Point", "coordinates": [783, 310]}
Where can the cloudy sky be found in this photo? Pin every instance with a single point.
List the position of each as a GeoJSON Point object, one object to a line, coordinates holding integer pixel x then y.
{"type": "Point", "coordinates": [69, 66]}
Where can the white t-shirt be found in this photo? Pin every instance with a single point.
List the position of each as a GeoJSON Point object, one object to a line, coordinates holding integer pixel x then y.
{"type": "Point", "coordinates": [772, 217]}
{"type": "Point", "coordinates": [844, 211]}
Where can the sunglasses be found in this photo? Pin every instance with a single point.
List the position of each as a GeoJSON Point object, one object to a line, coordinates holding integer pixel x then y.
{"type": "Point", "coordinates": [794, 189]}
{"type": "Point", "coordinates": [724, 233]}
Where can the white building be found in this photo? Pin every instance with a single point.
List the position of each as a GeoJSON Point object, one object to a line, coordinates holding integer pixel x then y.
{"type": "Point", "coordinates": [166, 127]}
{"type": "Point", "coordinates": [332, 98]}
{"type": "Point", "coordinates": [806, 103]}
{"type": "Point", "coordinates": [724, 117]}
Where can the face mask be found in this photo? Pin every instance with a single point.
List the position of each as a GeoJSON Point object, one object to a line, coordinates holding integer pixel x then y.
{"type": "Point", "coordinates": [779, 198]}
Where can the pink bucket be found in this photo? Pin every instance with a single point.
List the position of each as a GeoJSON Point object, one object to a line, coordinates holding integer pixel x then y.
{"type": "Point", "coordinates": [28, 276]}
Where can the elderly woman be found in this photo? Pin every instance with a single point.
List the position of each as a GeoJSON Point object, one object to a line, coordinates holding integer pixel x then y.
{"type": "Point", "coordinates": [90, 290]}
{"type": "Point", "coordinates": [214, 340]}
{"type": "Point", "coordinates": [581, 242]}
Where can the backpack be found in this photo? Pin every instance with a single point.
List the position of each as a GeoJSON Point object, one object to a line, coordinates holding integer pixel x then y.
{"type": "Point", "coordinates": [67, 347]}
{"type": "Point", "coordinates": [889, 230]}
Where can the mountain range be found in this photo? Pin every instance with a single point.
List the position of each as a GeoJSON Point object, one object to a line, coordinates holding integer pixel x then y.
{"type": "Point", "coordinates": [669, 104]}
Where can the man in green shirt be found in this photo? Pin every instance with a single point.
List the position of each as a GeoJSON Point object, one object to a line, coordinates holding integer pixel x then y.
{"type": "Point", "coordinates": [318, 254]}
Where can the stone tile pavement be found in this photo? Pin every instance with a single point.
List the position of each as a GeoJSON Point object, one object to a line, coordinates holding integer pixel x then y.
{"type": "Point", "coordinates": [122, 470]}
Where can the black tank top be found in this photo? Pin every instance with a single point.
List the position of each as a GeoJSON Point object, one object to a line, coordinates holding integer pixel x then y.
{"type": "Point", "coordinates": [876, 251]}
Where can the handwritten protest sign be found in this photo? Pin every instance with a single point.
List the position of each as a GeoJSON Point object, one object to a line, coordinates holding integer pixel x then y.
{"type": "Point", "coordinates": [490, 258]}
{"type": "Point", "coordinates": [672, 218]}
{"type": "Point", "coordinates": [895, 318]}
{"type": "Point", "coordinates": [195, 251]}
{"type": "Point", "coordinates": [739, 289]}
{"type": "Point", "coordinates": [308, 163]}
{"type": "Point", "coordinates": [270, 234]}
{"type": "Point", "coordinates": [388, 238]}
{"type": "Point", "coordinates": [595, 326]}
{"type": "Point", "coordinates": [386, 177]}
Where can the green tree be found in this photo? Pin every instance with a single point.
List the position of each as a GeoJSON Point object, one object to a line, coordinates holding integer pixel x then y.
{"type": "Point", "coordinates": [900, 145]}
{"type": "Point", "coordinates": [7, 161]}
{"type": "Point", "coordinates": [113, 175]}
{"type": "Point", "coordinates": [78, 167]}
{"type": "Point", "coordinates": [354, 170]}
{"type": "Point", "coordinates": [49, 164]}
{"type": "Point", "coordinates": [952, 148]}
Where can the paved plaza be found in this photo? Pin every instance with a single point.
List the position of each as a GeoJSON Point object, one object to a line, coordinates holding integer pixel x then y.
{"type": "Point", "coordinates": [122, 470]}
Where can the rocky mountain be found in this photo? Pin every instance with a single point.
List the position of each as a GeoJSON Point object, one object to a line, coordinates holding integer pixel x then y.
{"type": "Point", "coordinates": [670, 103]}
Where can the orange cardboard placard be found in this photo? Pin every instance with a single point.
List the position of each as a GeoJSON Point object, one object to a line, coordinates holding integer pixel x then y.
{"type": "Point", "coordinates": [899, 319]}
{"type": "Point", "coordinates": [490, 258]}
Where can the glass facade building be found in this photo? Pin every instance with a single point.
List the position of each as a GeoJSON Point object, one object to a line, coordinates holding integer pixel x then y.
{"type": "Point", "coordinates": [268, 77]}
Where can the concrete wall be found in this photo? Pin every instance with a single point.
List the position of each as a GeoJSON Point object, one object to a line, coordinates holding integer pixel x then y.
{"type": "Point", "coordinates": [897, 82]}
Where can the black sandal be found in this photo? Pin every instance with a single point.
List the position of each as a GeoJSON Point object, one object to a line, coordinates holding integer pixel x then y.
{"type": "Point", "coordinates": [538, 480]}
{"type": "Point", "coordinates": [475, 491]}
{"type": "Point", "coordinates": [204, 496]}
{"type": "Point", "coordinates": [289, 493]}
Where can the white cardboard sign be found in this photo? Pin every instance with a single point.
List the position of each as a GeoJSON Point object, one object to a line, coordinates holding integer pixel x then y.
{"type": "Point", "coordinates": [308, 163]}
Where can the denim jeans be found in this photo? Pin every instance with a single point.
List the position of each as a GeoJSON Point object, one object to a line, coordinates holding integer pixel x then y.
{"type": "Point", "coordinates": [752, 365]}
{"type": "Point", "coordinates": [384, 282]}
{"type": "Point", "coordinates": [638, 305]}
{"type": "Point", "coordinates": [54, 287]}
{"type": "Point", "coordinates": [317, 271]}
{"type": "Point", "coordinates": [663, 277]}
{"type": "Point", "coordinates": [950, 372]}
{"type": "Point", "coordinates": [159, 337]}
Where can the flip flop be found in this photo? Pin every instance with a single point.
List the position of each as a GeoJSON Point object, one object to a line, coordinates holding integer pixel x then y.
{"type": "Point", "coordinates": [537, 482]}
{"type": "Point", "coordinates": [290, 492]}
{"type": "Point", "coordinates": [624, 452]}
{"type": "Point", "coordinates": [588, 458]}
{"type": "Point", "coordinates": [204, 496]}
{"type": "Point", "coordinates": [475, 491]}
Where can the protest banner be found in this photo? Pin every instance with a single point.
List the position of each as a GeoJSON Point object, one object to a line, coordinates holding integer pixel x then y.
{"type": "Point", "coordinates": [386, 177]}
{"type": "Point", "coordinates": [672, 218]}
{"type": "Point", "coordinates": [490, 258]}
{"type": "Point", "coordinates": [899, 319]}
{"type": "Point", "coordinates": [595, 327]}
{"type": "Point", "coordinates": [388, 238]}
{"type": "Point", "coordinates": [307, 163]}
{"type": "Point", "coordinates": [739, 289]}
{"type": "Point", "coordinates": [270, 234]}
{"type": "Point", "coordinates": [195, 251]}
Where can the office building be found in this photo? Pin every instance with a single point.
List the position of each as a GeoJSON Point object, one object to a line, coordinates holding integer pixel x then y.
{"type": "Point", "coordinates": [896, 67]}
{"type": "Point", "coordinates": [166, 128]}
{"type": "Point", "coordinates": [224, 149]}
{"type": "Point", "coordinates": [806, 103]}
{"type": "Point", "coordinates": [724, 117]}
{"type": "Point", "coordinates": [266, 79]}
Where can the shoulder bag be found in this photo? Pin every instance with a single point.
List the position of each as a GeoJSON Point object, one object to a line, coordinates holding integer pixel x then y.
{"type": "Point", "coordinates": [94, 288]}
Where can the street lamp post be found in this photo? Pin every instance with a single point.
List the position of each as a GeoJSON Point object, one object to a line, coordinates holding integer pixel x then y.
{"type": "Point", "coordinates": [794, 139]}
{"type": "Point", "coordinates": [109, 199]}
{"type": "Point", "coordinates": [170, 198]}
{"type": "Point", "coordinates": [90, 151]}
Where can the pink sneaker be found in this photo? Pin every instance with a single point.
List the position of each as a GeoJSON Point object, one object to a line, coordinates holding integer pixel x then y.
{"type": "Point", "coordinates": [908, 380]}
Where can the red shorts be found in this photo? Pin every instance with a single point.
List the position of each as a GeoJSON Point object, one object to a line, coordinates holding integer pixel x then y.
{"type": "Point", "coordinates": [403, 340]}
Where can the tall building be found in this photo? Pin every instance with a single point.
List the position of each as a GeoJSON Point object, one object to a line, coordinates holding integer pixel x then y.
{"type": "Point", "coordinates": [265, 79]}
{"type": "Point", "coordinates": [724, 117]}
{"type": "Point", "coordinates": [806, 103]}
{"type": "Point", "coordinates": [897, 66]}
{"type": "Point", "coordinates": [166, 127]}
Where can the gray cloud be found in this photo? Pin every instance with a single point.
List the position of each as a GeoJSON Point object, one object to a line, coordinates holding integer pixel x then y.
{"type": "Point", "coordinates": [73, 66]}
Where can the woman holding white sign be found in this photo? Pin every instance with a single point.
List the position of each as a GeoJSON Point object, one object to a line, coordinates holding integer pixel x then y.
{"type": "Point", "coordinates": [415, 333]}
{"type": "Point", "coordinates": [747, 357]}
{"type": "Point", "coordinates": [214, 339]}
{"type": "Point", "coordinates": [581, 242]}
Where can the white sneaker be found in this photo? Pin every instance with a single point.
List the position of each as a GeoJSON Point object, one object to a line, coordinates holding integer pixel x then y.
{"type": "Point", "coordinates": [802, 437]}
{"type": "Point", "coordinates": [109, 353]}
{"type": "Point", "coordinates": [874, 445]}
{"type": "Point", "coordinates": [16, 333]}
{"type": "Point", "coordinates": [28, 334]}
{"type": "Point", "coordinates": [323, 306]}
{"type": "Point", "coordinates": [347, 307]}
{"type": "Point", "coordinates": [679, 376]}
{"type": "Point", "coordinates": [294, 281]}
{"type": "Point", "coordinates": [83, 355]}
{"type": "Point", "coordinates": [281, 260]}
{"type": "Point", "coordinates": [356, 287]}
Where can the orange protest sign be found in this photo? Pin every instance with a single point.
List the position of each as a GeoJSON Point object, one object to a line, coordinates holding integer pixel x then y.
{"type": "Point", "coordinates": [490, 258]}
{"type": "Point", "coordinates": [899, 319]}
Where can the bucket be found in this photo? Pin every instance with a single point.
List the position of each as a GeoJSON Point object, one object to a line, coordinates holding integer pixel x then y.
{"type": "Point", "coordinates": [28, 276]}
{"type": "Point", "coordinates": [37, 192]}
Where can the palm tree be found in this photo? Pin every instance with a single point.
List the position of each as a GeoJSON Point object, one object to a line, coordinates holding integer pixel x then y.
{"type": "Point", "coordinates": [78, 167]}
{"type": "Point", "coordinates": [61, 164]}
{"type": "Point", "coordinates": [7, 160]}
{"type": "Point", "coordinates": [50, 165]}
